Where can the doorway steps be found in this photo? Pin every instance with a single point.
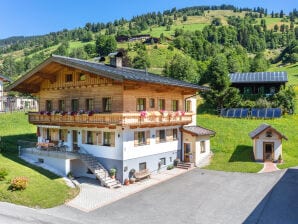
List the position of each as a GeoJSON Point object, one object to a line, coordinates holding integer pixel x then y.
{"type": "Point", "coordinates": [185, 165]}
{"type": "Point", "coordinates": [99, 171]}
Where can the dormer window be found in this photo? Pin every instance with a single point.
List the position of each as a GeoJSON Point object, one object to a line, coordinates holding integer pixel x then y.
{"type": "Point", "coordinates": [269, 134]}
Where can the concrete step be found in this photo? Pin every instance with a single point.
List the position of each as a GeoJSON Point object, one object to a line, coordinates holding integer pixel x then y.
{"type": "Point", "coordinates": [184, 165]}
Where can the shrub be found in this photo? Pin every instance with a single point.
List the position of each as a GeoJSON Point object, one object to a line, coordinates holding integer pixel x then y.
{"type": "Point", "coordinates": [3, 173]}
{"type": "Point", "coordinates": [19, 183]}
{"type": "Point", "coordinates": [112, 171]}
{"type": "Point", "coordinates": [170, 167]}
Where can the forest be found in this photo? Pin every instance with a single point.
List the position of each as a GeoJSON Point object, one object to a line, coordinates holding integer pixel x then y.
{"type": "Point", "coordinates": [192, 42]}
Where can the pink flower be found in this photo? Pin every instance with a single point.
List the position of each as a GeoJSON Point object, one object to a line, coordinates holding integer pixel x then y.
{"type": "Point", "coordinates": [143, 113]}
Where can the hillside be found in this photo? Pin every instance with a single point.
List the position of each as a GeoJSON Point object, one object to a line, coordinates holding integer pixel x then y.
{"type": "Point", "coordinates": [196, 33]}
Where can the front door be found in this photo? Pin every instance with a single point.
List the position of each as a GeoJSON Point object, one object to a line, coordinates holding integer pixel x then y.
{"type": "Point", "coordinates": [268, 151]}
{"type": "Point", "coordinates": [74, 139]}
{"type": "Point", "coordinates": [187, 151]}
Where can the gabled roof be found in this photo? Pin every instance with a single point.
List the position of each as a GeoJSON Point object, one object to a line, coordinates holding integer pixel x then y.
{"type": "Point", "coordinates": [4, 78]}
{"type": "Point", "coordinates": [197, 130]}
{"type": "Point", "coordinates": [116, 73]}
{"type": "Point", "coordinates": [259, 77]}
{"type": "Point", "coordinates": [262, 128]}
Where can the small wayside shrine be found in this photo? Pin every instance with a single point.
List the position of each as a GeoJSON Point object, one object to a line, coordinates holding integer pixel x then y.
{"type": "Point", "coordinates": [267, 143]}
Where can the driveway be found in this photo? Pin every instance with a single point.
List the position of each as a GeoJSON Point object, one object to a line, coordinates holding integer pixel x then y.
{"type": "Point", "coordinates": [198, 196]}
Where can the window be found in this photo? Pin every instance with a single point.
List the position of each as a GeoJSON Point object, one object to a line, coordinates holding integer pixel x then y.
{"type": "Point", "coordinates": [151, 103]}
{"type": "Point", "coordinates": [75, 105]}
{"type": "Point", "coordinates": [48, 105]}
{"type": "Point", "coordinates": [161, 104]}
{"type": "Point", "coordinates": [175, 134]}
{"type": "Point", "coordinates": [202, 146]}
{"type": "Point", "coordinates": [89, 137]}
{"type": "Point", "coordinates": [82, 77]}
{"type": "Point", "coordinates": [61, 105]}
{"type": "Point", "coordinates": [89, 104]}
{"type": "Point", "coordinates": [272, 90]}
{"type": "Point", "coordinates": [68, 78]}
{"type": "Point", "coordinates": [162, 135]}
{"type": "Point", "coordinates": [269, 134]}
{"type": "Point", "coordinates": [107, 104]}
{"type": "Point", "coordinates": [109, 139]}
{"type": "Point", "coordinates": [142, 166]}
{"type": "Point", "coordinates": [175, 105]}
{"type": "Point", "coordinates": [63, 134]}
{"type": "Point", "coordinates": [141, 104]}
{"type": "Point", "coordinates": [247, 90]}
{"type": "Point", "coordinates": [48, 137]}
{"type": "Point", "coordinates": [141, 138]}
{"type": "Point", "coordinates": [162, 161]}
{"type": "Point", "coordinates": [188, 106]}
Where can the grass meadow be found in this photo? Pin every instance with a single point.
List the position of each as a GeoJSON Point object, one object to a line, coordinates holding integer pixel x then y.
{"type": "Point", "coordinates": [45, 189]}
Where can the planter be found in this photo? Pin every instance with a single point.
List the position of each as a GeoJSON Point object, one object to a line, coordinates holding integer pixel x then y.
{"type": "Point", "coordinates": [132, 180]}
{"type": "Point", "coordinates": [126, 182]}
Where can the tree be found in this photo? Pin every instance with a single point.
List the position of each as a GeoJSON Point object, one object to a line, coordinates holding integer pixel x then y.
{"type": "Point", "coordinates": [259, 63]}
{"type": "Point", "coordinates": [90, 49]}
{"type": "Point", "coordinates": [141, 61]}
{"type": "Point", "coordinates": [105, 44]}
{"type": "Point", "coordinates": [62, 49]}
{"type": "Point", "coordinates": [182, 68]}
{"type": "Point", "coordinates": [78, 53]}
{"type": "Point", "coordinates": [184, 18]}
{"type": "Point", "coordinates": [285, 99]}
{"type": "Point", "coordinates": [221, 94]}
{"type": "Point", "coordinates": [216, 22]}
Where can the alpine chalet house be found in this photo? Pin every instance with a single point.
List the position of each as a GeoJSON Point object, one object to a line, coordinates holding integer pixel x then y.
{"type": "Point", "coordinates": [93, 117]}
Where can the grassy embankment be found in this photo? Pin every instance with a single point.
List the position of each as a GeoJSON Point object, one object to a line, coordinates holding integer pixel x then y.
{"type": "Point", "coordinates": [45, 189]}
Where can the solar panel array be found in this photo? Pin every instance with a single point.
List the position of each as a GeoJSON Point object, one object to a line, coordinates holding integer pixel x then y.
{"type": "Point", "coordinates": [251, 113]}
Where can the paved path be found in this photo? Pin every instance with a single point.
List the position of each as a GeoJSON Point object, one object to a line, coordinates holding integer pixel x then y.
{"type": "Point", "coordinates": [269, 167]}
{"type": "Point", "coordinates": [93, 196]}
{"type": "Point", "coordinates": [198, 196]}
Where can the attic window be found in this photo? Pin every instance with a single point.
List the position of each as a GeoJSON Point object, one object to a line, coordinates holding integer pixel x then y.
{"type": "Point", "coordinates": [82, 77]}
{"type": "Point", "coordinates": [269, 134]}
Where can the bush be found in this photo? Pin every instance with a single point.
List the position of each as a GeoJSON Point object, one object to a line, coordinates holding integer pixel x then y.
{"type": "Point", "coordinates": [3, 173]}
{"type": "Point", "coordinates": [112, 172]}
{"type": "Point", "coordinates": [19, 183]}
{"type": "Point", "coordinates": [170, 167]}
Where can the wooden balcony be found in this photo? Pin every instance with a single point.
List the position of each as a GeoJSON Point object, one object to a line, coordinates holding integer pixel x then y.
{"type": "Point", "coordinates": [111, 120]}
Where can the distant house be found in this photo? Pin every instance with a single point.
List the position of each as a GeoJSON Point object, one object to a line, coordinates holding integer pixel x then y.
{"type": "Point", "coordinates": [2, 94]}
{"type": "Point", "coordinates": [267, 143]}
{"type": "Point", "coordinates": [256, 84]}
{"type": "Point", "coordinates": [152, 40]}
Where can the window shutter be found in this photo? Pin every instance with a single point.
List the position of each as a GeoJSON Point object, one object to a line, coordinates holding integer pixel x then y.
{"type": "Point", "coordinates": [84, 136]}
{"type": "Point", "coordinates": [147, 135]}
{"type": "Point", "coordinates": [99, 138]}
{"type": "Point", "coordinates": [169, 133]}
{"type": "Point", "coordinates": [157, 137]}
{"type": "Point", "coordinates": [112, 139]}
{"type": "Point", "coordinates": [136, 140]}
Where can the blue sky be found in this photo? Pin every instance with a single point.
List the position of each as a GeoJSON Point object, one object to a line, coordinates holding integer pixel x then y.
{"type": "Point", "coordinates": [36, 17]}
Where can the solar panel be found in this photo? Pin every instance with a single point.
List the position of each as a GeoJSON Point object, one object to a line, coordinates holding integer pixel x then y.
{"type": "Point", "coordinates": [223, 112]}
{"type": "Point", "coordinates": [244, 112]}
{"type": "Point", "coordinates": [237, 113]}
{"type": "Point", "coordinates": [277, 112]}
{"type": "Point", "coordinates": [269, 112]}
{"type": "Point", "coordinates": [261, 113]}
{"type": "Point", "coordinates": [230, 113]}
{"type": "Point", "coordinates": [258, 77]}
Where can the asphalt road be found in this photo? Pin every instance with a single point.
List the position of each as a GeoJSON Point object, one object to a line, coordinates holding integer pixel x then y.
{"type": "Point", "coordinates": [199, 196]}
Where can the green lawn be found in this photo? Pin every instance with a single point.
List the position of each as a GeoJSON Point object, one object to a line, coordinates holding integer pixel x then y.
{"type": "Point", "coordinates": [45, 189]}
{"type": "Point", "coordinates": [232, 146]}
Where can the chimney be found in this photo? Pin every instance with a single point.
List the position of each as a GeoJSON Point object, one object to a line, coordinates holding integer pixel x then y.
{"type": "Point", "coordinates": [116, 59]}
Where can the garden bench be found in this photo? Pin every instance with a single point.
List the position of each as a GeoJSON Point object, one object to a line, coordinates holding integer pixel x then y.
{"type": "Point", "coordinates": [142, 174]}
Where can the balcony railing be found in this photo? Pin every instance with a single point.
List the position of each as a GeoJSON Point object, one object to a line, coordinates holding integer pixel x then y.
{"type": "Point", "coordinates": [119, 119]}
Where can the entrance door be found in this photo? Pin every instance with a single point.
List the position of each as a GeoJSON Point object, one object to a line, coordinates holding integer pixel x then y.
{"type": "Point", "coordinates": [187, 151]}
{"type": "Point", "coordinates": [268, 151]}
{"type": "Point", "coordinates": [74, 139]}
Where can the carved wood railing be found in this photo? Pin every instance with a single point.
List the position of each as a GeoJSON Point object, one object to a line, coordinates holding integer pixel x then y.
{"type": "Point", "coordinates": [121, 119]}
